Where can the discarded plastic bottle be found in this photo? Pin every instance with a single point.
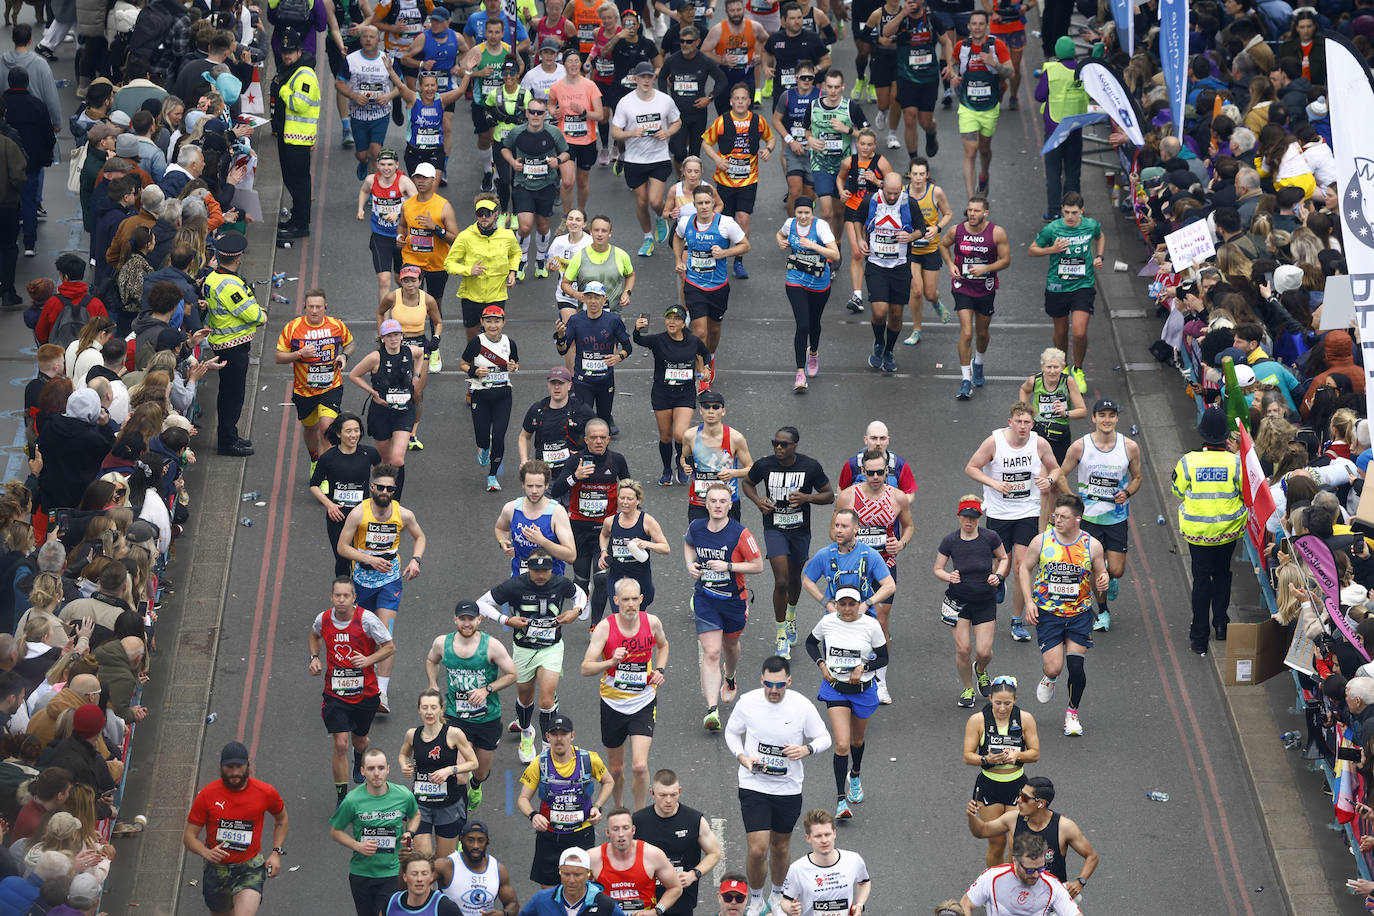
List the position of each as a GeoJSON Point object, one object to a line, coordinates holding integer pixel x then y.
{"type": "Point", "coordinates": [1135, 430]}
{"type": "Point", "coordinates": [278, 297]}
{"type": "Point", "coordinates": [1157, 796]}
{"type": "Point", "coordinates": [62, 84]}
{"type": "Point", "coordinates": [250, 497]}
{"type": "Point", "coordinates": [1160, 520]}
{"type": "Point", "coordinates": [246, 522]}
{"type": "Point", "coordinates": [210, 719]}
{"type": "Point", "coordinates": [1291, 739]}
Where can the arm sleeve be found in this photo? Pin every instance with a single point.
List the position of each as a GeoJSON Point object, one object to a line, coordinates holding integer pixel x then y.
{"type": "Point", "coordinates": [879, 659]}
{"type": "Point", "coordinates": [813, 647]}
{"type": "Point", "coordinates": [489, 605]}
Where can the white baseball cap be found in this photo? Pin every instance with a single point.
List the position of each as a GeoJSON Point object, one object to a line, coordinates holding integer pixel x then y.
{"type": "Point", "coordinates": [575, 856]}
{"type": "Point", "coordinates": [425, 170]}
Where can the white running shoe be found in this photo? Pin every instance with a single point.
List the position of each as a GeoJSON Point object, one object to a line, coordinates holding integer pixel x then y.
{"type": "Point", "coordinates": [1045, 689]}
{"type": "Point", "coordinates": [384, 705]}
{"type": "Point", "coordinates": [1071, 724]}
{"type": "Point", "coordinates": [893, 142]}
{"type": "Point", "coordinates": [775, 904]}
{"type": "Point", "coordinates": [758, 908]}
{"type": "Point", "coordinates": [884, 697]}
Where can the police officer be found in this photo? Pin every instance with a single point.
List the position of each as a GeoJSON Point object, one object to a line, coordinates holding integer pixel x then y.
{"type": "Point", "coordinates": [295, 121]}
{"type": "Point", "coordinates": [233, 317]}
{"type": "Point", "coordinates": [1211, 519]}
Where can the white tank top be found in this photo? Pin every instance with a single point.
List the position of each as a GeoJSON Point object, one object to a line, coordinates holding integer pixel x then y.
{"type": "Point", "coordinates": [1019, 467]}
{"type": "Point", "coordinates": [474, 892]}
{"type": "Point", "coordinates": [1100, 475]}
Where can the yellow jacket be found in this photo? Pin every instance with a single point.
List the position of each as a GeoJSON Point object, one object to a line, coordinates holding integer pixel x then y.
{"type": "Point", "coordinates": [498, 253]}
{"type": "Point", "coordinates": [1212, 511]}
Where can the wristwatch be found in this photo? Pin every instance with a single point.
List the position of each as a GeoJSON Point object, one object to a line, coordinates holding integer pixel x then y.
{"type": "Point", "coordinates": [279, 850]}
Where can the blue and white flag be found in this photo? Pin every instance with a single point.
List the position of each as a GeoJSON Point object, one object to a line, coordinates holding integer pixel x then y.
{"type": "Point", "coordinates": [1173, 56]}
{"type": "Point", "coordinates": [1068, 126]}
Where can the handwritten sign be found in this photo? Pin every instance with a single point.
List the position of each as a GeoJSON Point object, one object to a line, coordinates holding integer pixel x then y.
{"type": "Point", "coordinates": [1191, 245]}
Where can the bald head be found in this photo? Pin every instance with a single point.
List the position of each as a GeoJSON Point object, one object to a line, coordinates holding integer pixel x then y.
{"type": "Point", "coordinates": [84, 684]}
{"type": "Point", "coordinates": [1170, 147]}
{"type": "Point", "coordinates": [133, 647]}
{"type": "Point", "coordinates": [876, 435]}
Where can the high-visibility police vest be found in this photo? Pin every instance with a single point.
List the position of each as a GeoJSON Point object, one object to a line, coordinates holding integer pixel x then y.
{"type": "Point", "coordinates": [1212, 511]}
{"type": "Point", "coordinates": [301, 93]}
{"type": "Point", "coordinates": [1066, 93]}
{"type": "Point", "coordinates": [234, 315]}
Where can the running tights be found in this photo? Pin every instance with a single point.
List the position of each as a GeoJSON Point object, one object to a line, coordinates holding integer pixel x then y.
{"type": "Point", "coordinates": [1078, 679]}
{"type": "Point", "coordinates": [597, 399]}
{"type": "Point", "coordinates": [587, 539]}
{"type": "Point", "coordinates": [490, 417]}
{"type": "Point", "coordinates": [807, 307]}
{"type": "Point", "coordinates": [504, 177]}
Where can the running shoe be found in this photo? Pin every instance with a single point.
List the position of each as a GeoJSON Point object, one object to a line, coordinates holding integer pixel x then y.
{"type": "Point", "coordinates": [856, 790]}
{"type": "Point", "coordinates": [527, 746]}
{"type": "Point", "coordinates": [857, 93]}
{"type": "Point", "coordinates": [361, 170]}
{"type": "Point", "coordinates": [541, 269]}
{"type": "Point", "coordinates": [947, 100]}
{"type": "Point", "coordinates": [614, 430]}
{"type": "Point", "coordinates": [488, 181]}
{"type": "Point", "coordinates": [892, 141]}
{"type": "Point", "coordinates": [415, 445]}
{"type": "Point", "coordinates": [943, 311]}
{"type": "Point", "coordinates": [661, 232]}
{"type": "Point", "coordinates": [813, 365]}
{"type": "Point", "coordinates": [984, 681]}
{"type": "Point", "coordinates": [1044, 691]}
{"type": "Point", "coordinates": [1113, 589]}
{"type": "Point", "coordinates": [617, 167]}
{"type": "Point", "coordinates": [711, 369]}
{"type": "Point", "coordinates": [711, 721]}
{"type": "Point", "coordinates": [383, 704]}
{"type": "Point", "coordinates": [932, 144]}
{"type": "Point", "coordinates": [683, 477]}
{"type": "Point", "coordinates": [875, 359]}
{"type": "Point", "coordinates": [758, 96]}
{"type": "Point", "coordinates": [1018, 629]}
{"type": "Point", "coordinates": [436, 362]}
{"type": "Point", "coordinates": [768, 88]}
{"type": "Point", "coordinates": [965, 391]}
{"type": "Point", "coordinates": [30, 252]}
{"type": "Point", "coordinates": [483, 456]}
{"type": "Point", "coordinates": [870, 93]}
{"type": "Point", "coordinates": [474, 797]}
{"type": "Point", "coordinates": [1071, 724]}
{"type": "Point", "coordinates": [1077, 374]}
{"type": "Point", "coordinates": [647, 249]}
{"type": "Point", "coordinates": [889, 362]}
{"type": "Point", "coordinates": [728, 690]}
{"type": "Point", "coordinates": [757, 908]}
{"type": "Point", "coordinates": [666, 479]}
{"type": "Point", "coordinates": [603, 158]}
{"type": "Point", "coordinates": [912, 339]}
{"type": "Point", "coordinates": [520, 271]}
{"type": "Point", "coordinates": [1050, 216]}
{"type": "Point", "coordinates": [978, 375]}
{"type": "Point", "coordinates": [357, 771]}
{"type": "Point", "coordinates": [799, 384]}
{"type": "Point", "coordinates": [965, 699]}
{"type": "Point", "coordinates": [740, 272]}
{"type": "Point", "coordinates": [855, 303]}
{"type": "Point", "coordinates": [884, 698]}
{"type": "Point", "coordinates": [493, 485]}
{"type": "Point", "coordinates": [783, 646]}
{"type": "Point", "coordinates": [791, 629]}
{"type": "Point", "coordinates": [842, 810]}
{"type": "Point", "coordinates": [983, 183]}
{"type": "Point", "coordinates": [1103, 622]}
{"type": "Point", "coordinates": [775, 904]}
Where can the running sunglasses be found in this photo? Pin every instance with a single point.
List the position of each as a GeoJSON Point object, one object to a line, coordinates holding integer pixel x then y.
{"type": "Point", "coordinates": [1005, 679]}
{"type": "Point", "coordinates": [1026, 798]}
{"type": "Point", "coordinates": [806, 76]}
{"type": "Point", "coordinates": [775, 685]}
{"type": "Point", "coordinates": [384, 487]}
{"type": "Point", "coordinates": [732, 897]}
{"type": "Point", "coordinates": [1033, 871]}
{"type": "Point", "coordinates": [781, 443]}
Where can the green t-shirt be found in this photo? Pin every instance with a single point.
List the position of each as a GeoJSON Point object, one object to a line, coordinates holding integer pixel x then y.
{"type": "Point", "coordinates": [1072, 268]}
{"type": "Point", "coordinates": [838, 144]}
{"type": "Point", "coordinates": [609, 267]}
{"type": "Point", "coordinates": [380, 817]}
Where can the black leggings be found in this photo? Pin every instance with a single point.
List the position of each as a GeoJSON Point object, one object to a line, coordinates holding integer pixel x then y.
{"type": "Point", "coordinates": [342, 566]}
{"type": "Point", "coordinates": [504, 175]}
{"type": "Point", "coordinates": [586, 569]}
{"type": "Point", "coordinates": [807, 307]}
{"type": "Point", "coordinates": [599, 400]}
{"type": "Point", "coordinates": [490, 417]}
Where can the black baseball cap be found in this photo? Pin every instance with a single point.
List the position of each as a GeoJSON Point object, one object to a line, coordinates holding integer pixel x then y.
{"type": "Point", "coordinates": [711, 397]}
{"type": "Point", "coordinates": [1106, 404]}
{"type": "Point", "coordinates": [233, 753]}
{"type": "Point", "coordinates": [467, 609]}
{"type": "Point", "coordinates": [476, 827]}
{"type": "Point", "coordinates": [559, 723]}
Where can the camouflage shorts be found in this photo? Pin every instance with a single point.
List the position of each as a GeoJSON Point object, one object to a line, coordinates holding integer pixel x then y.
{"type": "Point", "coordinates": [221, 883]}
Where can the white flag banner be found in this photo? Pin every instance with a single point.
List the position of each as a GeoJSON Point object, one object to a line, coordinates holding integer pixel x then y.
{"type": "Point", "coordinates": [1105, 88]}
{"type": "Point", "coordinates": [1352, 140]}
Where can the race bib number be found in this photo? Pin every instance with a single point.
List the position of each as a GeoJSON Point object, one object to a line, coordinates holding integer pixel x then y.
{"type": "Point", "coordinates": [347, 494]}
{"type": "Point", "coordinates": [1063, 586]}
{"type": "Point", "coordinates": [980, 91]}
{"type": "Point", "coordinates": [738, 169]}
{"type": "Point", "coordinates": [701, 263]}
{"type": "Point", "coordinates": [873, 537]}
{"type": "Point", "coordinates": [385, 837]}
{"type": "Point", "coordinates": [462, 703]}
{"type": "Point", "coordinates": [714, 577]}
{"type": "Point", "coordinates": [427, 138]}
{"type": "Point", "coordinates": [1100, 486]}
{"type": "Point", "coordinates": [834, 144]}
{"type": "Point", "coordinates": [575, 125]}
{"type": "Point", "coordinates": [556, 455]}
{"type": "Point", "coordinates": [387, 211]}
{"type": "Point", "coordinates": [798, 131]}
{"type": "Point", "coordinates": [604, 67]}
{"type": "Point", "coordinates": [592, 504]}
{"type": "Point", "coordinates": [430, 791]}
{"type": "Point", "coordinates": [346, 681]}
{"type": "Point", "coordinates": [841, 661]}
{"type": "Point", "coordinates": [949, 612]}
{"type": "Point", "coordinates": [631, 677]}
{"type": "Point", "coordinates": [787, 78]}
{"type": "Point", "coordinates": [594, 364]}
{"type": "Point", "coordinates": [497, 378]}
{"type": "Point", "coordinates": [1072, 268]}
{"type": "Point", "coordinates": [1020, 482]}
{"type": "Point", "coordinates": [678, 374]}
{"type": "Point", "coordinates": [421, 241]}
{"type": "Point", "coordinates": [586, 33]}
{"type": "Point", "coordinates": [772, 760]}
{"type": "Point", "coordinates": [736, 57]}
{"type": "Point", "coordinates": [536, 168]}
{"type": "Point", "coordinates": [398, 399]}
{"type": "Point", "coordinates": [830, 907]}
{"type": "Point", "coordinates": [320, 375]}
{"type": "Point", "coordinates": [560, 816]}
{"type": "Point", "coordinates": [683, 85]}
{"type": "Point", "coordinates": [702, 480]}
{"type": "Point", "coordinates": [884, 246]}
{"type": "Point", "coordinates": [237, 836]}
{"type": "Point", "coordinates": [542, 631]}
{"type": "Point", "coordinates": [789, 519]}
{"type": "Point", "coordinates": [920, 57]}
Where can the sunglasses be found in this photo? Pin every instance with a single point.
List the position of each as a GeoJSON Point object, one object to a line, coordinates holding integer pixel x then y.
{"type": "Point", "coordinates": [781, 443]}
{"type": "Point", "coordinates": [775, 685]}
{"type": "Point", "coordinates": [732, 897]}
{"type": "Point", "coordinates": [1005, 679]}
{"type": "Point", "coordinates": [1033, 871]}
{"type": "Point", "coordinates": [688, 41]}
{"type": "Point", "coordinates": [535, 111]}
{"type": "Point", "coordinates": [384, 487]}
{"type": "Point", "coordinates": [810, 77]}
{"type": "Point", "coordinates": [1028, 799]}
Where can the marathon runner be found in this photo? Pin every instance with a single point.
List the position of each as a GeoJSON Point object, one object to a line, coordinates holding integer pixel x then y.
{"type": "Point", "coordinates": [882, 83]}
{"type": "Point", "coordinates": [999, 740]}
{"type": "Point", "coordinates": [1109, 474]}
{"type": "Point", "coordinates": [703, 243]}
{"type": "Point", "coordinates": [713, 452]}
{"type": "Point", "coordinates": [626, 535]}
{"type": "Point", "coordinates": [340, 479]}
{"type": "Point", "coordinates": [561, 251]}
{"type": "Point", "coordinates": [318, 346]}
{"type": "Point", "coordinates": [974, 251]}
{"type": "Point", "coordinates": [677, 201]}
{"type": "Point", "coordinates": [817, 22]}
{"type": "Point", "coordinates": [364, 79]}
{"type": "Point", "coordinates": [646, 120]}
{"type": "Point", "coordinates": [346, 644]}
{"type": "Point", "coordinates": [684, 76]}
{"type": "Point", "coordinates": [791, 112]}
{"type": "Point", "coordinates": [590, 479]}
{"type": "Point", "coordinates": [978, 68]}
{"type": "Point", "coordinates": [231, 811]}
{"type": "Point", "coordinates": [345, 18]}
{"type": "Point", "coordinates": [952, 20]}
{"type": "Point", "coordinates": [435, 51]}
{"type": "Point", "coordinates": [888, 230]}
{"type": "Point", "coordinates": [919, 48]}
{"type": "Point", "coordinates": [542, 602]}
{"type": "Point", "coordinates": [860, 11]}
{"type": "Point", "coordinates": [1056, 401]}
{"type": "Point", "coordinates": [535, 152]}
{"type": "Point", "coordinates": [420, 895]}
{"type": "Point", "coordinates": [631, 870]}
{"type": "Point", "coordinates": [735, 43]}
{"type": "Point", "coordinates": [399, 21]}
{"type": "Point", "coordinates": [679, 360]}
{"type": "Point", "coordinates": [506, 104]}
{"type": "Point", "coordinates": [573, 102]}
{"type": "Point", "coordinates": [1021, 888]}
{"type": "Point", "coordinates": [371, 538]}
{"type": "Point", "coordinates": [1032, 816]}
{"type": "Point", "coordinates": [786, 47]}
{"type": "Point", "coordinates": [770, 731]}
{"type": "Point", "coordinates": [428, 227]}
{"type": "Point", "coordinates": [924, 255]}
{"type": "Point", "coordinates": [473, 879]}
{"type": "Point", "coordinates": [793, 482]}
{"type": "Point", "coordinates": [685, 837]}
{"type": "Point", "coordinates": [539, 80]}
{"type": "Point", "coordinates": [850, 648]}
{"type": "Point", "coordinates": [827, 879]}
{"type": "Point", "coordinates": [810, 247]}
{"type": "Point", "coordinates": [411, 307]}
{"type": "Point", "coordinates": [604, 263]}
{"type": "Point", "coordinates": [482, 73]}
{"type": "Point", "coordinates": [628, 651]}
{"type": "Point", "coordinates": [859, 177]}
{"type": "Point", "coordinates": [601, 68]}
{"type": "Point", "coordinates": [831, 124]}
{"type": "Point", "coordinates": [393, 381]}
{"type": "Point", "coordinates": [387, 190]}
{"type": "Point", "coordinates": [719, 553]}
{"type": "Point", "coordinates": [435, 754]}
{"type": "Point", "coordinates": [1074, 244]}
{"type": "Point", "coordinates": [979, 565]}
{"type": "Point", "coordinates": [429, 133]}
{"type": "Point", "coordinates": [627, 48]}
{"type": "Point", "coordinates": [599, 342]}
{"type": "Point", "coordinates": [376, 820]}
{"type": "Point", "coordinates": [473, 668]}
{"type": "Point", "coordinates": [1016, 468]}
{"type": "Point", "coordinates": [585, 19]}
{"type": "Point", "coordinates": [553, 426]}
{"type": "Point", "coordinates": [898, 472]}
{"type": "Point", "coordinates": [489, 359]}
{"type": "Point", "coordinates": [1068, 564]}
{"type": "Point", "coordinates": [736, 141]}
{"type": "Point", "coordinates": [487, 259]}
{"type": "Point", "coordinates": [571, 785]}
{"type": "Point", "coordinates": [534, 522]}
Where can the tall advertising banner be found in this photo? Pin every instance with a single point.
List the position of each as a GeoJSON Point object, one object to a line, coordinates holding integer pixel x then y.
{"type": "Point", "coordinates": [1173, 56]}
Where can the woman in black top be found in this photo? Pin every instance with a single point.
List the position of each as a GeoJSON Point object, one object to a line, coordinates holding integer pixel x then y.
{"type": "Point", "coordinates": [340, 477]}
{"type": "Point", "coordinates": [979, 568]}
{"type": "Point", "coordinates": [392, 387]}
{"type": "Point", "coordinates": [680, 359]}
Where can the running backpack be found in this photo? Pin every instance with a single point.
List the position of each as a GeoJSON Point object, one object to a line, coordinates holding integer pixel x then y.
{"type": "Point", "coordinates": [295, 14]}
{"type": "Point", "coordinates": [70, 321]}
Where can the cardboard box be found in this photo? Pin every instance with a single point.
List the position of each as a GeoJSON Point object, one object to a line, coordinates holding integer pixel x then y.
{"type": "Point", "coordinates": [1255, 650]}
